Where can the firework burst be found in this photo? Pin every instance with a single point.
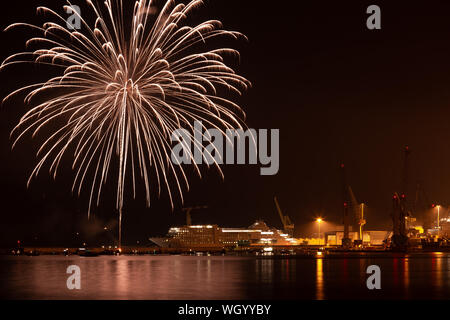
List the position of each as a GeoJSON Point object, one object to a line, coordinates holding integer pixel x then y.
{"type": "Point", "coordinates": [125, 85]}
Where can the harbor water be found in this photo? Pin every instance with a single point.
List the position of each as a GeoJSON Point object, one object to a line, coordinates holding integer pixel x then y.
{"type": "Point", "coordinates": [403, 276]}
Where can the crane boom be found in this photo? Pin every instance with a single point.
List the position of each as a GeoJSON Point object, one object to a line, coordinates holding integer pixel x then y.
{"type": "Point", "coordinates": [288, 226]}
{"type": "Point", "coordinates": [354, 203]}
{"type": "Point", "coordinates": [188, 213]}
{"type": "Point", "coordinates": [279, 212]}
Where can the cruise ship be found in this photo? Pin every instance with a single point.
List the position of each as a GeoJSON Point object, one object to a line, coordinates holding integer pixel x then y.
{"type": "Point", "coordinates": [191, 236]}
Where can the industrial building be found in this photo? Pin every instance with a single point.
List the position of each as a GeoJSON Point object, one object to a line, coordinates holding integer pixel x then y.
{"type": "Point", "coordinates": [372, 238]}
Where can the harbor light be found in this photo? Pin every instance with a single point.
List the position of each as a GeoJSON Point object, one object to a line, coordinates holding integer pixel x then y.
{"type": "Point", "coordinates": [319, 221]}
{"type": "Point", "coordinates": [438, 208]}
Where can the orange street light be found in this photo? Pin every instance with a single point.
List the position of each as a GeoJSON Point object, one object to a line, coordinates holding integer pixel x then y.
{"type": "Point", "coordinates": [438, 207]}
{"type": "Point", "coordinates": [319, 220]}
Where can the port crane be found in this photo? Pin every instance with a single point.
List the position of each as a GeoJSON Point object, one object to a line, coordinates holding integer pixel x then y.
{"type": "Point", "coordinates": [288, 226]}
{"type": "Point", "coordinates": [400, 212]}
{"type": "Point", "coordinates": [355, 217]}
{"type": "Point", "coordinates": [188, 211]}
{"type": "Point", "coordinates": [358, 211]}
{"type": "Point", "coordinates": [346, 241]}
{"type": "Point", "coordinates": [399, 215]}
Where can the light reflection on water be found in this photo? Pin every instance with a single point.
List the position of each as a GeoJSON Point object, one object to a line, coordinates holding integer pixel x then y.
{"type": "Point", "coordinates": [225, 277]}
{"type": "Point", "coordinates": [319, 279]}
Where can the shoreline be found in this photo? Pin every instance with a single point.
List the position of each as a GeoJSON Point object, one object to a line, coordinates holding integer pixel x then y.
{"type": "Point", "coordinates": [315, 252]}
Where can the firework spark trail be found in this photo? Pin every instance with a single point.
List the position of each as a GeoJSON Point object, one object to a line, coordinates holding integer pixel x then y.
{"type": "Point", "coordinates": [124, 90]}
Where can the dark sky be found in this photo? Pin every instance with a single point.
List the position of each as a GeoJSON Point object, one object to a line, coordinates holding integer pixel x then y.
{"type": "Point", "coordinates": [337, 91]}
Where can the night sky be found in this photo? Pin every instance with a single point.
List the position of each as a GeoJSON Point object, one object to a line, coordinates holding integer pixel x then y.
{"type": "Point", "coordinates": [337, 91]}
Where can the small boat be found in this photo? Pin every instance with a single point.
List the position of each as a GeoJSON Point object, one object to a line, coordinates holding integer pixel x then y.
{"type": "Point", "coordinates": [82, 252]}
{"type": "Point", "coordinates": [32, 253]}
{"type": "Point", "coordinates": [108, 252]}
